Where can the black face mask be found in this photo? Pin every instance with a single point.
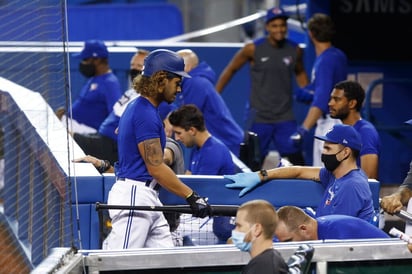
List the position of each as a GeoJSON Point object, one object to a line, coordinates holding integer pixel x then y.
{"type": "Point", "coordinates": [133, 73]}
{"type": "Point", "coordinates": [88, 70]}
{"type": "Point", "coordinates": [330, 161]}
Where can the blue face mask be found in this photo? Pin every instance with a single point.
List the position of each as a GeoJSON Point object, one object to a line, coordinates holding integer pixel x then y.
{"type": "Point", "coordinates": [238, 239]}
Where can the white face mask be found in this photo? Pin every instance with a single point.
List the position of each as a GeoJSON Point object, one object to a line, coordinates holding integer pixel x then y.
{"type": "Point", "coordinates": [238, 239]}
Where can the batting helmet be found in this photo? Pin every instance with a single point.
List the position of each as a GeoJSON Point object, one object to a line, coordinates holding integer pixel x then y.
{"type": "Point", "coordinates": [166, 60]}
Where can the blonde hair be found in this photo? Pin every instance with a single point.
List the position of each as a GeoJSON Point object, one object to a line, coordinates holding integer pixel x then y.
{"type": "Point", "coordinates": [292, 217]}
{"type": "Point", "coordinates": [262, 212]}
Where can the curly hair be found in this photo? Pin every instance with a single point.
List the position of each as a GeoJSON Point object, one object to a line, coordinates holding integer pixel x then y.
{"type": "Point", "coordinates": [352, 91]}
{"type": "Point", "coordinates": [149, 86]}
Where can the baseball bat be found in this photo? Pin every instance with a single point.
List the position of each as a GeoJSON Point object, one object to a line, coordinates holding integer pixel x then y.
{"type": "Point", "coordinates": [405, 215]}
{"type": "Point", "coordinates": [217, 210]}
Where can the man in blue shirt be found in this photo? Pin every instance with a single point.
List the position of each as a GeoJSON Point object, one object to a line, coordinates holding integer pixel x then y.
{"type": "Point", "coordinates": [345, 103]}
{"type": "Point", "coordinates": [209, 156]}
{"type": "Point", "coordinates": [295, 225]}
{"type": "Point", "coordinates": [99, 94]}
{"type": "Point", "coordinates": [330, 67]}
{"type": "Point", "coordinates": [141, 169]}
{"type": "Point", "coordinates": [346, 186]}
{"type": "Point", "coordinates": [103, 144]}
{"type": "Point", "coordinates": [200, 91]}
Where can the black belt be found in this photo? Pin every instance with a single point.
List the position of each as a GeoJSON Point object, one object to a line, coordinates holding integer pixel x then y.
{"type": "Point", "coordinates": [146, 183]}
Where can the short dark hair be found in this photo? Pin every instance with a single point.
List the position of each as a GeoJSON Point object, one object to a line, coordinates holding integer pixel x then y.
{"type": "Point", "coordinates": [321, 27]}
{"type": "Point", "coordinates": [352, 91]}
{"type": "Point", "coordinates": [188, 116]}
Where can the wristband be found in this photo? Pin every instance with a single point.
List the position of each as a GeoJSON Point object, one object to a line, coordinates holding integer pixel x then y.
{"type": "Point", "coordinates": [104, 166]}
{"type": "Point", "coordinates": [264, 174]}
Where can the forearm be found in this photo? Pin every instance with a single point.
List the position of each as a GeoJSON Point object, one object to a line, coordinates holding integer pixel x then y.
{"type": "Point", "coordinates": [405, 194]}
{"type": "Point", "coordinates": [284, 173]}
{"type": "Point", "coordinates": [223, 80]}
{"type": "Point", "coordinates": [369, 164]}
{"type": "Point", "coordinates": [168, 180]}
{"type": "Point", "coordinates": [302, 79]}
{"type": "Point", "coordinates": [394, 202]}
{"type": "Point", "coordinates": [312, 117]}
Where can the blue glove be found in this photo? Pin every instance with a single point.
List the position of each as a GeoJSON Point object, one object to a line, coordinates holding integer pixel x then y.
{"type": "Point", "coordinates": [298, 136]}
{"type": "Point", "coordinates": [247, 181]}
{"type": "Point", "coordinates": [304, 95]}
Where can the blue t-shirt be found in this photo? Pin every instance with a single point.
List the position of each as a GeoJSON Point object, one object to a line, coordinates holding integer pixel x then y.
{"type": "Point", "coordinates": [140, 121]}
{"type": "Point", "coordinates": [96, 100]}
{"type": "Point", "coordinates": [213, 158]}
{"type": "Point", "coordinates": [328, 69]}
{"type": "Point", "coordinates": [200, 91]}
{"type": "Point", "coordinates": [369, 136]}
{"type": "Point", "coordinates": [343, 227]}
{"type": "Point", "coordinates": [348, 195]}
{"type": "Point", "coordinates": [109, 125]}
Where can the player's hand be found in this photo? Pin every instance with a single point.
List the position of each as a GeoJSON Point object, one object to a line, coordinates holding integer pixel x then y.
{"type": "Point", "coordinates": [304, 95]}
{"type": "Point", "coordinates": [247, 181]}
{"type": "Point", "coordinates": [298, 136]}
{"type": "Point", "coordinates": [391, 203]}
{"type": "Point", "coordinates": [199, 205]}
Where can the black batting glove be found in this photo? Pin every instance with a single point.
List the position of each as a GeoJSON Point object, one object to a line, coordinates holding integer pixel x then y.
{"type": "Point", "coordinates": [199, 205]}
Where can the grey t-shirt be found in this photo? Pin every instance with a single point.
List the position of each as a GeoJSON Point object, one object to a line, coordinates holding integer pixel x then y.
{"type": "Point", "coordinates": [408, 179]}
{"type": "Point", "coordinates": [178, 165]}
{"type": "Point", "coordinates": [268, 262]}
{"type": "Point", "coordinates": [271, 78]}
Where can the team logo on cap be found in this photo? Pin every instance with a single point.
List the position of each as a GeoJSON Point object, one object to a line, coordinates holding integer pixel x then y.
{"type": "Point", "coordinates": [344, 141]}
{"type": "Point", "coordinates": [276, 10]}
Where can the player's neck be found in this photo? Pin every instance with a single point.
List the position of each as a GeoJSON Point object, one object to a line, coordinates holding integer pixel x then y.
{"type": "Point", "coordinates": [202, 137]}
{"type": "Point", "coordinates": [352, 118]}
{"type": "Point", "coordinates": [320, 47]}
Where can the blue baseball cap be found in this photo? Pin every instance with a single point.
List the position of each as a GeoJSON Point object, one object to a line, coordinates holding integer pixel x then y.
{"type": "Point", "coordinates": [166, 60]}
{"type": "Point", "coordinates": [409, 122]}
{"type": "Point", "coordinates": [93, 49]}
{"type": "Point", "coordinates": [275, 13]}
{"type": "Point", "coordinates": [343, 134]}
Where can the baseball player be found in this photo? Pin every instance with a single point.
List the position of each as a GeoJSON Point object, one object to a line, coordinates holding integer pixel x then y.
{"type": "Point", "coordinates": [295, 225]}
{"type": "Point", "coordinates": [140, 170]}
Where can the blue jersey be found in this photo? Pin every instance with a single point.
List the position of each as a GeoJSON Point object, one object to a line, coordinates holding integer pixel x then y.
{"type": "Point", "coordinates": [329, 68]}
{"type": "Point", "coordinates": [348, 195]}
{"type": "Point", "coordinates": [213, 158]}
{"type": "Point", "coordinates": [343, 227]}
{"type": "Point", "coordinates": [370, 138]}
{"type": "Point", "coordinates": [109, 125]}
{"type": "Point", "coordinates": [140, 121]}
{"type": "Point", "coordinates": [96, 100]}
{"type": "Point", "coordinates": [200, 91]}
